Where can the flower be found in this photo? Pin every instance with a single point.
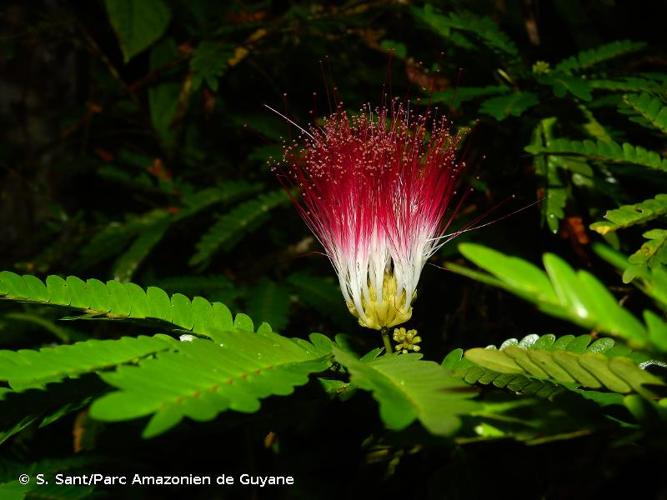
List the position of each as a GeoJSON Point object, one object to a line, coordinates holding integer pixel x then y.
{"type": "Point", "coordinates": [375, 187]}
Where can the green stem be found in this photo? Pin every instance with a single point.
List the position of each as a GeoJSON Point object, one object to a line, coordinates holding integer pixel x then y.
{"type": "Point", "coordinates": [387, 342]}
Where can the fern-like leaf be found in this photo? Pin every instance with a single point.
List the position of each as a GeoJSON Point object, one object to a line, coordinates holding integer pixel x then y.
{"type": "Point", "coordinates": [575, 296]}
{"type": "Point", "coordinates": [628, 84]}
{"type": "Point", "coordinates": [632, 215]}
{"type": "Point", "coordinates": [652, 109]}
{"type": "Point", "coordinates": [603, 151]}
{"type": "Point", "coordinates": [481, 27]}
{"type": "Point", "coordinates": [408, 389]}
{"type": "Point", "coordinates": [117, 235]}
{"type": "Point", "coordinates": [205, 378]}
{"type": "Point", "coordinates": [469, 372]}
{"type": "Point", "coordinates": [126, 265]}
{"type": "Point", "coordinates": [651, 255]}
{"type": "Point", "coordinates": [116, 300]}
{"type": "Point", "coordinates": [230, 228]}
{"type": "Point", "coordinates": [508, 105]}
{"type": "Point", "coordinates": [588, 58]}
{"type": "Point", "coordinates": [556, 194]}
{"type": "Point", "coordinates": [228, 192]}
{"type": "Point", "coordinates": [539, 365]}
{"type": "Point", "coordinates": [30, 368]}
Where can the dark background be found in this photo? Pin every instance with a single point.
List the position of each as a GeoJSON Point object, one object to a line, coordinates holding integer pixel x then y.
{"type": "Point", "coordinates": [89, 141]}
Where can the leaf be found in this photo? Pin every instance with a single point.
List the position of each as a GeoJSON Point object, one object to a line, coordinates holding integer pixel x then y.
{"type": "Point", "coordinates": [463, 368]}
{"type": "Point", "coordinates": [127, 264]}
{"type": "Point", "coordinates": [32, 368]}
{"type": "Point", "coordinates": [205, 378]}
{"type": "Point", "coordinates": [563, 84]}
{"type": "Point", "coordinates": [508, 105]}
{"type": "Point", "coordinates": [603, 151]}
{"type": "Point", "coordinates": [13, 490]}
{"type": "Point", "coordinates": [269, 302]}
{"type": "Point", "coordinates": [37, 407]}
{"type": "Point", "coordinates": [481, 27]}
{"type": "Point", "coordinates": [575, 296]}
{"type": "Point", "coordinates": [230, 228]}
{"type": "Point", "coordinates": [208, 64]}
{"type": "Point", "coordinates": [137, 24]}
{"type": "Point", "coordinates": [556, 194]}
{"type": "Point", "coordinates": [652, 254]}
{"type": "Point", "coordinates": [118, 300]}
{"type": "Point", "coordinates": [631, 215]}
{"type": "Point", "coordinates": [652, 109]}
{"type": "Point", "coordinates": [408, 389]}
{"type": "Point", "coordinates": [116, 236]}
{"type": "Point", "coordinates": [569, 361]}
{"type": "Point", "coordinates": [194, 203]}
{"type": "Point", "coordinates": [588, 58]}
{"type": "Point", "coordinates": [627, 84]}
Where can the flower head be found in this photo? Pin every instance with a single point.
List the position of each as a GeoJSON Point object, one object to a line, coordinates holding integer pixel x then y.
{"type": "Point", "coordinates": [375, 187]}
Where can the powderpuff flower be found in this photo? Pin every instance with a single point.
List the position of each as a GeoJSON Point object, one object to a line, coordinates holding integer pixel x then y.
{"type": "Point", "coordinates": [375, 188]}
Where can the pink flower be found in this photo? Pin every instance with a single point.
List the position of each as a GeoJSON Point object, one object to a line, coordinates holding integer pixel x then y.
{"type": "Point", "coordinates": [375, 188]}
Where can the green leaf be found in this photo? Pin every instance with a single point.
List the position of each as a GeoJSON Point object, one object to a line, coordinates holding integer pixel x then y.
{"type": "Point", "coordinates": [569, 362]}
{"type": "Point", "coordinates": [408, 389]}
{"type": "Point", "coordinates": [651, 255]}
{"type": "Point", "coordinates": [471, 373]}
{"type": "Point", "coordinates": [37, 407]}
{"type": "Point", "coordinates": [127, 264]}
{"type": "Point", "coordinates": [205, 378]}
{"type": "Point", "coordinates": [230, 191]}
{"type": "Point", "coordinates": [588, 58]}
{"type": "Point", "coordinates": [31, 368]}
{"type": "Point", "coordinates": [13, 490]}
{"type": "Point", "coordinates": [484, 28]}
{"type": "Point", "coordinates": [628, 84]}
{"type": "Point", "coordinates": [508, 105]}
{"type": "Point", "coordinates": [118, 300]}
{"type": "Point", "coordinates": [591, 370]}
{"type": "Point", "coordinates": [631, 215]}
{"type": "Point", "coordinates": [116, 236]}
{"type": "Point", "coordinates": [652, 109]}
{"type": "Point", "coordinates": [269, 302]}
{"type": "Point", "coordinates": [556, 195]}
{"type": "Point", "coordinates": [231, 227]}
{"type": "Point", "coordinates": [209, 63]}
{"type": "Point", "coordinates": [137, 24]}
{"type": "Point", "coordinates": [563, 84]}
{"type": "Point", "coordinates": [603, 151]}
{"type": "Point", "coordinates": [575, 296]}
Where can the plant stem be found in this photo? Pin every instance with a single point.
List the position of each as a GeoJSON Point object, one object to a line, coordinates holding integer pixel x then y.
{"type": "Point", "coordinates": [387, 342]}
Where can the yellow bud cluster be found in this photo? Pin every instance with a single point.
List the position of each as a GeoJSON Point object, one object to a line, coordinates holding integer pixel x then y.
{"type": "Point", "coordinates": [406, 340]}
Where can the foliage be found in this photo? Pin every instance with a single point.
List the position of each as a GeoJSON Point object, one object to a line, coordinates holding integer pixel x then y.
{"type": "Point", "coordinates": [535, 365]}
{"type": "Point", "coordinates": [137, 152]}
{"type": "Point", "coordinates": [408, 389]}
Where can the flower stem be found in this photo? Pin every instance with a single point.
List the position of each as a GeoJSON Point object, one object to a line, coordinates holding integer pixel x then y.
{"type": "Point", "coordinates": [387, 342]}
